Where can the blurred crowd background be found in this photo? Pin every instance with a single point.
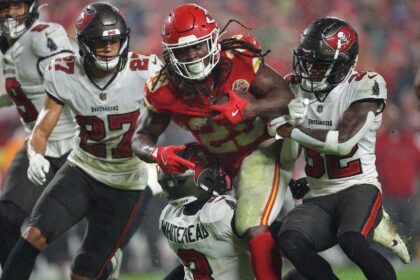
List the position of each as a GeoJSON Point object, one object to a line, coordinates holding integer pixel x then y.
{"type": "Point", "coordinates": [389, 37]}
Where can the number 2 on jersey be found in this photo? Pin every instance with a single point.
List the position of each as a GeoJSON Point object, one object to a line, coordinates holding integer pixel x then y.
{"type": "Point", "coordinates": [197, 263]}
{"type": "Point", "coordinates": [92, 129]}
{"type": "Point", "coordinates": [316, 168]}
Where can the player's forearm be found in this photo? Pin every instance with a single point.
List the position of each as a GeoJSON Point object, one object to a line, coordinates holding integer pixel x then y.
{"type": "Point", "coordinates": [37, 143]}
{"type": "Point", "coordinates": [5, 100]}
{"type": "Point", "coordinates": [143, 147]}
{"type": "Point", "coordinates": [272, 105]}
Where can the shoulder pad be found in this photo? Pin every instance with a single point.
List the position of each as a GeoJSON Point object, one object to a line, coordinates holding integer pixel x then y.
{"type": "Point", "coordinates": [368, 85]}
{"type": "Point", "coordinates": [48, 38]}
{"type": "Point", "coordinates": [256, 61]}
{"type": "Point", "coordinates": [218, 209]}
{"type": "Point", "coordinates": [154, 85]}
{"type": "Point", "coordinates": [248, 38]}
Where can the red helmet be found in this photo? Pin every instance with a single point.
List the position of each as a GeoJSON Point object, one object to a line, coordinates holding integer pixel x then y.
{"type": "Point", "coordinates": [188, 25]}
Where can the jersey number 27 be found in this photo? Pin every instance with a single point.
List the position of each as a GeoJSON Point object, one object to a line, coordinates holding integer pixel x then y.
{"type": "Point", "coordinates": [92, 129]}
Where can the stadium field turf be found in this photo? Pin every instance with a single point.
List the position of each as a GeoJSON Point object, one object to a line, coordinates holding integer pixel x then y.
{"type": "Point", "coordinates": [351, 273]}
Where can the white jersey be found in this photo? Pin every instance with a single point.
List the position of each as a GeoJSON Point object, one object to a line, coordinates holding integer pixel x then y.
{"type": "Point", "coordinates": [205, 242]}
{"type": "Point", "coordinates": [23, 67]}
{"type": "Point", "coordinates": [106, 118]}
{"type": "Point", "coordinates": [328, 174]}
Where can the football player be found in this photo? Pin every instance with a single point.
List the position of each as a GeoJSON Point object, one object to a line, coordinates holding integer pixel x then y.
{"type": "Point", "coordinates": [27, 47]}
{"type": "Point", "coordinates": [221, 91]}
{"type": "Point", "coordinates": [338, 134]}
{"type": "Point", "coordinates": [197, 222]}
{"type": "Point", "coordinates": [101, 180]}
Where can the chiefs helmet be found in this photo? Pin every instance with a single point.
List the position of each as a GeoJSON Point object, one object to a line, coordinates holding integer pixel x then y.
{"type": "Point", "coordinates": [14, 27]}
{"type": "Point", "coordinates": [326, 54]}
{"type": "Point", "coordinates": [101, 22]}
{"type": "Point", "coordinates": [181, 189]}
{"type": "Point", "coordinates": [188, 25]}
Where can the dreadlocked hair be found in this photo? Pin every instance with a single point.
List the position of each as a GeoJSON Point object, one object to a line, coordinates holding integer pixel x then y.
{"type": "Point", "coordinates": [234, 44]}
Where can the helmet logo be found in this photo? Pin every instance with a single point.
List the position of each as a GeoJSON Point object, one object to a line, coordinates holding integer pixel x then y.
{"type": "Point", "coordinates": [84, 19]}
{"type": "Point", "coordinates": [209, 19]}
{"type": "Point", "coordinates": [112, 32]}
{"type": "Point", "coordinates": [342, 39]}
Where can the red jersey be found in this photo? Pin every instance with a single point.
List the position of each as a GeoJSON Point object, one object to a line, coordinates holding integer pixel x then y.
{"type": "Point", "coordinates": [231, 144]}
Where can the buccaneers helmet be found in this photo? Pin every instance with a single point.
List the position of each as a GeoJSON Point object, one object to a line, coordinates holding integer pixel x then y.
{"type": "Point", "coordinates": [326, 54]}
{"type": "Point", "coordinates": [14, 27]}
{"type": "Point", "coordinates": [187, 26]}
{"type": "Point", "coordinates": [208, 175]}
{"type": "Point", "coordinates": [98, 23]}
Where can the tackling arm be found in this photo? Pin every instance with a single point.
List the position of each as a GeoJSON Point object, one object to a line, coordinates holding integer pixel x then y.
{"type": "Point", "coordinates": [356, 121]}
{"type": "Point", "coordinates": [272, 93]}
{"type": "Point", "coordinates": [45, 124]}
{"type": "Point", "coordinates": [150, 126]}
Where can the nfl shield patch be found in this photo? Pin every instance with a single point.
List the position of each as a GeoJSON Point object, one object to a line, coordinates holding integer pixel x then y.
{"type": "Point", "coordinates": [102, 96]}
{"type": "Point", "coordinates": [320, 108]}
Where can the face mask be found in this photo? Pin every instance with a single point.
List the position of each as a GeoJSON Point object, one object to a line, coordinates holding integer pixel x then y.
{"type": "Point", "coordinates": [198, 69]}
{"type": "Point", "coordinates": [11, 28]}
{"type": "Point", "coordinates": [108, 64]}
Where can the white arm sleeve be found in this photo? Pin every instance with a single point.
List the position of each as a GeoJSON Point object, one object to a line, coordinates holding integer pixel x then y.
{"type": "Point", "coordinates": [331, 145]}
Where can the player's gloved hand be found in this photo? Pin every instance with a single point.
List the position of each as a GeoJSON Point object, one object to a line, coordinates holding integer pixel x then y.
{"type": "Point", "coordinates": [38, 169]}
{"type": "Point", "coordinates": [232, 111]}
{"type": "Point", "coordinates": [292, 79]}
{"type": "Point", "coordinates": [169, 161]}
{"type": "Point", "coordinates": [297, 111]}
{"type": "Point", "coordinates": [299, 187]}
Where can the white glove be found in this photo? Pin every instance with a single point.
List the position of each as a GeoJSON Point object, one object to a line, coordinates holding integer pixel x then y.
{"type": "Point", "coordinates": [38, 169]}
{"type": "Point", "coordinates": [297, 111]}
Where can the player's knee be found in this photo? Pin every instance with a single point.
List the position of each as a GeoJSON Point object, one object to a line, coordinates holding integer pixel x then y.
{"type": "Point", "coordinates": [292, 245]}
{"type": "Point", "coordinates": [255, 231]}
{"type": "Point", "coordinates": [35, 237]}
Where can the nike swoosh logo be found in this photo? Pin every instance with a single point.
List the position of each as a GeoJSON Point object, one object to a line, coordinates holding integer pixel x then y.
{"type": "Point", "coordinates": [372, 76]}
{"type": "Point", "coordinates": [235, 113]}
{"type": "Point", "coordinates": [154, 61]}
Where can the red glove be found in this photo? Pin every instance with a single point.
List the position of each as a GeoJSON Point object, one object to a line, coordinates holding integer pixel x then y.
{"type": "Point", "coordinates": [233, 110]}
{"type": "Point", "coordinates": [169, 161]}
